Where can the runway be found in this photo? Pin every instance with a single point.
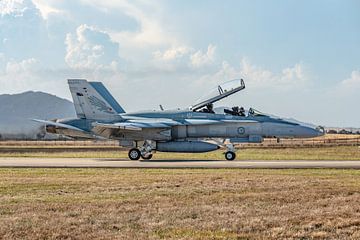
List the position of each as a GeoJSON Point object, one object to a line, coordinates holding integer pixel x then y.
{"type": "Point", "coordinates": [124, 163]}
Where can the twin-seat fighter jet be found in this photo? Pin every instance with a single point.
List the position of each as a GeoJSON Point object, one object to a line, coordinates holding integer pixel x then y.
{"type": "Point", "coordinates": [199, 128]}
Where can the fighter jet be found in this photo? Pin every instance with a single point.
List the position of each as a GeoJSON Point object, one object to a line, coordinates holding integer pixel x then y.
{"type": "Point", "coordinates": [198, 128]}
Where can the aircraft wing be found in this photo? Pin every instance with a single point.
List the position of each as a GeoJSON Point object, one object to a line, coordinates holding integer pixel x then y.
{"type": "Point", "coordinates": [146, 123]}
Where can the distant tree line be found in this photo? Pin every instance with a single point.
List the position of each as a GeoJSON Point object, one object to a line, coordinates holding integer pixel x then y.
{"type": "Point", "coordinates": [342, 131]}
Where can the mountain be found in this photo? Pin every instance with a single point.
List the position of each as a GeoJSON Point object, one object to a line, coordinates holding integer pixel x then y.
{"type": "Point", "coordinates": [17, 110]}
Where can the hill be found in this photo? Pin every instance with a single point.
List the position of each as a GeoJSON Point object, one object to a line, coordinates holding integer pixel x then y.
{"type": "Point", "coordinates": [17, 110]}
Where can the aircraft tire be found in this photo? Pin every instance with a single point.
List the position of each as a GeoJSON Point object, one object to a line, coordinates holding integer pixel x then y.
{"type": "Point", "coordinates": [230, 156]}
{"type": "Point", "coordinates": [147, 157]}
{"type": "Point", "coordinates": [134, 154]}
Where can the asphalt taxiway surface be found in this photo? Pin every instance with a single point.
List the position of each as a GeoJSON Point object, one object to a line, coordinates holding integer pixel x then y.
{"type": "Point", "coordinates": [124, 163]}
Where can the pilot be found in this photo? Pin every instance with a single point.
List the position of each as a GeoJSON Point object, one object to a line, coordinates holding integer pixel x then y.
{"type": "Point", "coordinates": [235, 111]}
{"type": "Point", "coordinates": [242, 112]}
{"type": "Point", "coordinates": [210, 108]}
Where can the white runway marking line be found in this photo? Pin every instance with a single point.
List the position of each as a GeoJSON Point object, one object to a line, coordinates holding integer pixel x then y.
{"type": "Point", "coordinates": [122, 163]}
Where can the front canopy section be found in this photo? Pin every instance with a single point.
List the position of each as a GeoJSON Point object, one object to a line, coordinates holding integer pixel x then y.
{"type": "Point", "coordinates": [220, 92]}
{"type": "Point", "coordinates": [255, 113]}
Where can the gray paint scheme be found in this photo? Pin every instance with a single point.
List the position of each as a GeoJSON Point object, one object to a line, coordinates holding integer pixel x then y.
{"type": "Point", "coordinates": [100, 116]}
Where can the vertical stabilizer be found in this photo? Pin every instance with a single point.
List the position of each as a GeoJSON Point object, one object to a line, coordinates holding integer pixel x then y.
{"type": "Point", "coordinates": [93, 101]}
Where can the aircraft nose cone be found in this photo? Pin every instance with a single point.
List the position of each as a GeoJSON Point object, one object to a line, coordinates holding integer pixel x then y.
{"type": "Point", "coordinates": [310, 132]}
{"type": "Point", "coordinates": [320, 130]}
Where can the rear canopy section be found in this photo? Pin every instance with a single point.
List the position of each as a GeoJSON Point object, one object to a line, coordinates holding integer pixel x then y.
{"type": "Point", "coordinates": [220, 92]}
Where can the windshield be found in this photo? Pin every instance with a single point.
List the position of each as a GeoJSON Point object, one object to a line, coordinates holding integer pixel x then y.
{"type": "Point", "coordinates": [255, 113]}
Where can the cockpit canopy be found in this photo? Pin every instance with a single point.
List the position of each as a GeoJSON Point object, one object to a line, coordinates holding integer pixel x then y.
{"type": "Point", "coordinates": [220, 92]}
{"type": "Point", "coordinates": [240, 111]}
{"type": "Point", "coordinates": [205, 103]}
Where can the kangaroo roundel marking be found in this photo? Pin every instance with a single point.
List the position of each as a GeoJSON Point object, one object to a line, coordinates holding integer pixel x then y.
{"type": "Point", "coordinates": [241, 130]}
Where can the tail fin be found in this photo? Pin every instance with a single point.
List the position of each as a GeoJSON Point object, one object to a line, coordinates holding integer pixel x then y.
{"type": "Point", "coordinates": [93, 101]}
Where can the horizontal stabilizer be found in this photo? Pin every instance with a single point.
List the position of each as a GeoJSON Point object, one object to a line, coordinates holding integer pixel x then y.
{"type": "Point", "coordinates": [56, 124]}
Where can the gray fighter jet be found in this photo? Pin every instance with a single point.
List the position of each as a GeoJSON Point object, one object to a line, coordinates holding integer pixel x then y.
{"type": "Point", "coordinates": [199, 128]}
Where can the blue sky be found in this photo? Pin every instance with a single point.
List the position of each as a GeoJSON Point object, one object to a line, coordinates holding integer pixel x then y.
{"type": "Point", "coordinates": [298, 58]}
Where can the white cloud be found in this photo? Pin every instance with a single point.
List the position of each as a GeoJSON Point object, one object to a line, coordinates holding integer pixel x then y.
{"type": "Point", "coordinates": [90, 48]}
{"type": "Point", "coordinates": [19, 75]}
{"type": "Point", "coordinates": [151, 31]}
{"type": "Point", "coordinates": [45, 8]}
{"type": "Point", "coordinates": [258, 77]}
{"type": "Point", "coordinates": [184, 57]}
{"type": "Point", "coordinates": [15, 8]}
{"type": "Point", "coordinates": [172, 53]}
{"type": "Point", "coordinates": [24, 66]}
{"type": "Point", "coordinates": [200, 59]}
{"type": "Point", "coordinates": [353, 81]}
{"type": "Point", "coordinates": [289, 77]}
{"type": "Point", "coordinates": [22, 30]}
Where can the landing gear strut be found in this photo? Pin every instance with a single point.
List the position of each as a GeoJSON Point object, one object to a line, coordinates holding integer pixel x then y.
{"type": "Point", "coordinates": [230, 153]}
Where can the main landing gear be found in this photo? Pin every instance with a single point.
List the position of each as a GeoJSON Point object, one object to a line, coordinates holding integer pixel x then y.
{"type": "Point", "coordinates": [144, 152]}
{"type": "Point", "coordinates": [135, 154]}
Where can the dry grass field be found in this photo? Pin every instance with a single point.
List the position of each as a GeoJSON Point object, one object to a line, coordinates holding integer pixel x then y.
{"type": "Point", "coordinates": [179, 204]}
{"type": "Point", "coordinates": [309, 153]}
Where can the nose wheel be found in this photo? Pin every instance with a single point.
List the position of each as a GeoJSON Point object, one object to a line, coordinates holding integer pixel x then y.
{"type": "Point", "coordinates": [230, 156]}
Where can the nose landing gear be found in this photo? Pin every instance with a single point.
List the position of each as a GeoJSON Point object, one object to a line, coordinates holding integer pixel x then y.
{"type": "Point", "coordinates": [230, 156]}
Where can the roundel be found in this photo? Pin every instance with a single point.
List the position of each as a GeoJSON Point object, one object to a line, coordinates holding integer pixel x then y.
{"type": "Point", "coordinates": [241, 130]}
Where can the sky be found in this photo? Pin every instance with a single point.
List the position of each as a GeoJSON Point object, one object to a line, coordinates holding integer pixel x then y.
{"type": "Point", "coordinates": [299, 59]}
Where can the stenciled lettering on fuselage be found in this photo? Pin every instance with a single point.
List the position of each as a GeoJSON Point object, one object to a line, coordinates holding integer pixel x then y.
{"type": "Point", "coordinates": [100, 105]}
